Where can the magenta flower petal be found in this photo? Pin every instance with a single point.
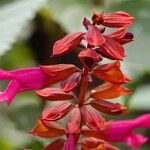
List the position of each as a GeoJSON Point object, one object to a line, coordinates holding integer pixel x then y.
{"type": "Point", "coordinates": [71, 142]}
{"type": "Point", "coordinates": [22, 80]}
{"type": "Point", "coordinates": [135, 140]}
{"type": "Point", "coordinates": [123, 131]}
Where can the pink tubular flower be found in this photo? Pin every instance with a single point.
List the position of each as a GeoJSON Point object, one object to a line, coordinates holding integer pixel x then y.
{"type": "Point", "coordinates": [123, 131]}
{"type": "Point", "coordinates": [22, 80]}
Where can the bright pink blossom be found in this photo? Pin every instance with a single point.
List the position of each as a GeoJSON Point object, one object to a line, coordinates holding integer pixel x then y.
{"type": "Point", "coordinates": [26, 79]}
{"type": "Point", "coordinates": [123, 131]}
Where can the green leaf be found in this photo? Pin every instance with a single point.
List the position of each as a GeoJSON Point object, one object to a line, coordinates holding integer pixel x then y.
{"type": "Point", "coordinates": [14, 16]}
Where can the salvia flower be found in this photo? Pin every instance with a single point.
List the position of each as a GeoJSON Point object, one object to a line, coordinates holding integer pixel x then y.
{"type": "Point", "coordinates": [21, 80]}
{"type": "Point", "coordinates": [124, 131]}
{"type": "Point", "coordinates": [82, 108]}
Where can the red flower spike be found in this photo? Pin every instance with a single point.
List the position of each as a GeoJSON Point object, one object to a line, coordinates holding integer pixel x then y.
{"type": "Point", "coordinates": [108, 107]}
{"type": "Point", "coordinates": [66, 44]}
{"type": "Point", "coordinates": [74, 121]}
{"type": "Point", "coordinates": [92, 119]}
{"type": "Point", "coordinates": [93, 36]}
{"type": "Point", "coordinates": [70, 83]}
{"type": "Point", "coordinates": [111, 72]}
{"type": "Point", "coordinates": [56, 145]}
{"type": "Point", "coordinates": [57, 111]}
{"type": "Point", "coordinates": [88, 57]}
{"type": "Point", "coordinates": [117, 19]}
{"type": "Point", "coordinates": [54, 94]}
{"type": "Point", "coordinates": [121, 36]}
{"type": "Point", "coordinates": [86, 23]}
{"type": "Point", "coordinates": [101, 134]}
{"type": "Point", "coordinates": [111, 49]}
{"type": "Point", "coordinates": [47, 129]}
{"type": "Point", "coordinates": [109, 90]}
{"type": "Point", "coordinates": [97, 144]}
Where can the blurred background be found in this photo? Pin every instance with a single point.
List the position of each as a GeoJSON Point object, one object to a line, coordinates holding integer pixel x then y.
{"type": "Point", "coordinates": [29, 28]}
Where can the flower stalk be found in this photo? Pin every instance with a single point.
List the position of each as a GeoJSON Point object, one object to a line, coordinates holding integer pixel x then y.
{"type": "Point", "coordinates": [84, 86]}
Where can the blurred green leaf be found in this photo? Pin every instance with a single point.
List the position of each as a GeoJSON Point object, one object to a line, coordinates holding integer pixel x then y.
{"type": "Point", "coordinates": [14, 16]}
{"type": "Point", "coordinates": [20, 55]}
{"type": "Point", "coordinates": [70, 13]}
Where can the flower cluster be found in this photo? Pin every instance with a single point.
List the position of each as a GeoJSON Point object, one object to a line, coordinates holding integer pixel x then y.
{"type": "Point", "coordinates": [85, 127]}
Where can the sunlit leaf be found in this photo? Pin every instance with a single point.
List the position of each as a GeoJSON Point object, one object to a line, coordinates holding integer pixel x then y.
{"type": "Point", "coordinates": [14, 16]}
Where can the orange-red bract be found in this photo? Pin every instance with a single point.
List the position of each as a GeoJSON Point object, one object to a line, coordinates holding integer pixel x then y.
{"type": "Point", "coordinates": [117, 19]}
{"type": "Point", "coordinates": [117, 34]}
{"type": "Point", "coordinates": [71, 82]}
{"type": "Point", "coordinates": [108, 107]}
{"type": "Point", "coordinates": [111, 49]}
{"type": "Point", "coordinates": [74, 121]}
{"type": "Point", "coordinates": [93, 36]}
{"type": "Point", "coordinates": [108, 91]}
{"type": "Point", "coordinates": [88, 57]}
{"type": "Point", "coordinates": [121, 36]}
{"type": "Point", "coordinates": [59, 72]}
{"type": "Point", "coordinates": [101, 134]}
{"type": "Point", "coordinates": [92, 119]}
{"type": "Point", "coordinates": [111, 72]}
{"type": "Point", "coordinates": [67, 43]}
{"type": "Point", "coordinates": [54, 94]}
{"type": "Point", "coordinates": [97, 144]}
{"type": "Point", "coordinates": [47, 129]}
{"type": "Point", "coordinates": [86, 23]}
{"type": "Point", "coordinates": [57, 111]}
{"type": "Point", "coordinates": [113, 20]}
{"type": "Point", "coordinates": [56, 145]}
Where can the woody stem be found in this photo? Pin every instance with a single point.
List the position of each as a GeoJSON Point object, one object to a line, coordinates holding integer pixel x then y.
{"type": "Point", "coordinates": [84, 85]}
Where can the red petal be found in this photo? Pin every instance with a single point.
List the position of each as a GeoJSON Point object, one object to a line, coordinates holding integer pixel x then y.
{"type": "Point", "coordinates": [74, 122]}
{"type": "Point", "coordinates": [54, 94]}
{"type": "Point", "coordinates": [86, 23]}
{"type": "Point", "coordinates": [111, 72]}
{"type": "Point", "coordinates": [56, 112]}
{"type": "Point", "coordinates": [111, 49]}
{"type": "Point", "coordinates": [93, 143]}
{"type": "Point", "coordinates": [92, 119]}
{"type": "Point", "coordinates": [117, 19]}
{"type": "Point", "coordinates": [121, 36]}
{"type": "Point", "coordinates": [70, 83]}
{"type": "Point", "coordinates": [88, 57]}
{"type": "Point", "coordinates": [55, 145]}
{"type": "Point", "coordinates": [93, 36]}
{"type": "Point", "coordinates": [47, 129]}
{"type": "Point", "coordinates": [67, 43]}
{"type": "Point", "coordinates": [108, 107]}
{"type": "Point", "coordinates": [117, 34]}
{"type": "Point", "coordinates": [102, 134]}
{"type": "Point", "coordinates": [59, 72]}
{"type": "Point", "coordinates": [108, 91]}
{"type": "Point", "coordinates": [90, 143]}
